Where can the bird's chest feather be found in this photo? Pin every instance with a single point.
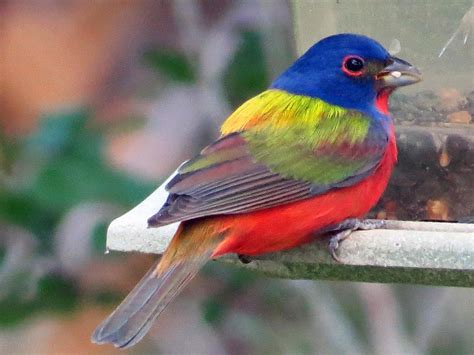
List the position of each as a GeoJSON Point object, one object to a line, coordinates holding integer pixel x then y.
{"type": "Point", "coordinates": [290, 225]}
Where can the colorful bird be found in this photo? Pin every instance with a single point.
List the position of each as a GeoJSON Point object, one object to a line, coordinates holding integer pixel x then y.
{"type": "Point", "coordinates": [304, 159]}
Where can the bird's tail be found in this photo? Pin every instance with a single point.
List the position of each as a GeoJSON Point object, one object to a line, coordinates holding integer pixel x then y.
{"type": "Point", "coordinates": [191, 247]}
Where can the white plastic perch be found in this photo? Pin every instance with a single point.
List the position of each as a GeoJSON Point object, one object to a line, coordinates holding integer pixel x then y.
{"type": "Point", "coordinates": [406, 252]}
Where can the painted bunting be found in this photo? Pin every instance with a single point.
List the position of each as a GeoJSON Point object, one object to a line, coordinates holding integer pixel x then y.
{"type": "Point", "coordinates": [303, 159]}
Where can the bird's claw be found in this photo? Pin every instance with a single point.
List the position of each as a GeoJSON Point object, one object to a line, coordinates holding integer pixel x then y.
{"type": "Point", "coordinates": [359, 224]}
{"type": "Point", "coordinates": [344, 229]}
{"type": "Point", "coordinates": [334, 242]}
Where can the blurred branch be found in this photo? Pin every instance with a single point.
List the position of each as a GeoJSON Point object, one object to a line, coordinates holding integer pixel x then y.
{"type": "Point", "coordinates": [278, 37]}
{"type": "Point", "coordinates": [428, 322]}
{"type": "Point", "coordinates": [19, 246]}
{"type": "Point", "coordinates": [385, 328]}
{"type": "Point", "coordinates": [336, 326]}
{"type": "Point", "coordinates": [75, 231]}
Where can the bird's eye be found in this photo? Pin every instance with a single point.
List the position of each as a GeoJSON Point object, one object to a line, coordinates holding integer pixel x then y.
{"type": "Point", "coordinates": [353, 65]}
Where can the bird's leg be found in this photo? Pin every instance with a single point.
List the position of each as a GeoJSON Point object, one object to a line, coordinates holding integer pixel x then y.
{"type": "Point", "coordinates": [344, 229]}
{"type": "Point", "coordinates": [334, 242]}
{"type": "Point", "coordinates": [244, 259]}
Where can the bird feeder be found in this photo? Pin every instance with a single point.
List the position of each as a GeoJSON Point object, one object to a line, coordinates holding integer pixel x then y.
{"type": "Point", "coordinates": [430, 197]}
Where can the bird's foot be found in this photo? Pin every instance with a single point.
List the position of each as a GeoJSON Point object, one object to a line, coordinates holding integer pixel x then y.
{"type": "Point", "coordinates": [344, 229]}
{"type": "Point", "coordinates": [244, 259]}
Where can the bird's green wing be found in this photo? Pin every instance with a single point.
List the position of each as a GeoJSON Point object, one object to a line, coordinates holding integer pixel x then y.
{"type": "Point", "coordinates": [249, 171]}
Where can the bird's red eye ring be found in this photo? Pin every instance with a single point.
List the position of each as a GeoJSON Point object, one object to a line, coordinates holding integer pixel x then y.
{"type": "Point", "coordinates": [353, 65]}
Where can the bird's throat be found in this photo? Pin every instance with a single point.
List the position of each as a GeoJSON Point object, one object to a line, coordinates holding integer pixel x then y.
{"type": "Point", "coordinates": [381, 101]}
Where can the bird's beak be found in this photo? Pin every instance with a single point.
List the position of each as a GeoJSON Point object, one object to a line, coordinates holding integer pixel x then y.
{"type": "Point", "coordinates": [397, 73]}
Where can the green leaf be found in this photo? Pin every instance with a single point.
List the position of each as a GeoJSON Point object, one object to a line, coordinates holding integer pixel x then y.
{"type": "Point", "coordinates": [14, 311]}
{"type": "Point", "coordinates": [55, 294]}
{"type": "Point", "coordinates": [18, 208]}
{"type": "Point", "coordinates": [8, 153]}
{"type": "Point", "coordinates": [3, 252]}
{"type": "Point", "coordinates": [170, 63]}
{"type": "Point", "coordinates": [99, 238]}
{"type": "Point", "coordinates": [246, 75]}
{"type": "Point", "coordinates": [58, 131]}
{"type": "Point", "coordinates": [77, 171]}
{"type": "Point", "coordinates": [213, 311]}
{"type": "Point", "coordinates": [69, 181]}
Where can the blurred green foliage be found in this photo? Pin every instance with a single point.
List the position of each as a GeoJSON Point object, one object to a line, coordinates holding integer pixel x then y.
{"type": "Point", "coordinates": [246, 75]}
{"type": "Point", "coordinates": [8, 148]}
{"type": "Point", "coordinates": [3, 252]}
{"type": "Point", "coordinates": [173, 65]}
{"type": "Point", "coordinates": [62, 165]}
{"type": "Point", "coordinates": [66, 157]}
{"type": "Point", "coordinates": [233, 281]}
{"type": "Point", "coordinates": [99, 238]}
{"type": "Point", "coordinates": [54, 294]}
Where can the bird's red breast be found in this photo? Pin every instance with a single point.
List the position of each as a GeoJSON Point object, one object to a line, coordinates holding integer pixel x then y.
{"type": "Point", "coordinates": [293, 224]}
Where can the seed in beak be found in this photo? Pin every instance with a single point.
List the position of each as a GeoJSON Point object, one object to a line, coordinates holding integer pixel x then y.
{"type": "Point", "coordinates": [395, 74]}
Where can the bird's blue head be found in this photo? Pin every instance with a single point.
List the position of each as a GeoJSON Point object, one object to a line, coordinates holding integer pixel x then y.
{"type": "Point", "coordinates": [348, 70]}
